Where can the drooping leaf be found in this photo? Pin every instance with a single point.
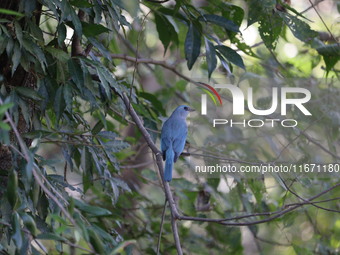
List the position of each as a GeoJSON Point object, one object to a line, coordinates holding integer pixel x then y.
{"type": "Point", "coordinates": [210, 55]}
{"type": "Point", "coordinates": [231, 55]}
{"type": "Point", "coordinates": [220, 21]}
{"type": "Point", "coordinates": [92, 210]}
{"type": "Point", "coordinates": [17, 235]}
{"type": "Point", "coordinates": [87, 166]}
{"type": "Point", "coordinates": [166, 31]}
{"type": "Point", "coordinates": [12, 188]}
{"type": "Point", "coordinates": [36, 31]}
{"type": "Point", "coordinates": [300, 29]}
{"type": "Point", "coordinates": [68, 96]}
{"type": "Point", "coordinates": [59, 103]}
{"type": "Point", "coordinates": [58, 54]}
{"type": "Point", "coordinates": [35, 50]}
{"type": "Point", "coordinates": [330, 54]}
{"type": "Point", "coordinates": [76, 73]}
{"type": "Point", "coordinates": [271, 26]}
{"type": "Point", "coordinates": [18, 32]}
{"type": "Point", "coordinates": [92, 30]}
{"type": "Point", "coordinates": [16, 57]}
{"type": "Point", "coordinates": [28, 93]}
{"type": "Point", "coordinates": [192, 45]}
{"type": "Point", "coordinates": [61, 34]}
{"type": "Point", "coordinates": [96, 242]}
{"type": "Point", "coordinates": [50, 236]}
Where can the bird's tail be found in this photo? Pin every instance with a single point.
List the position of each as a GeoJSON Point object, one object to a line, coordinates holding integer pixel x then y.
{"type": "Point", "coordinates": [169, 162]}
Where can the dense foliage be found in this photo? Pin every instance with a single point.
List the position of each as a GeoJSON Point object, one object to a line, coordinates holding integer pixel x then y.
{"type": "Point", "coordinates": [77, 174]}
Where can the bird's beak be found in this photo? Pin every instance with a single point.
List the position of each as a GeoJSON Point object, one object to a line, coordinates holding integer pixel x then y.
{"type": "Point", "coordinates": [191, 109]}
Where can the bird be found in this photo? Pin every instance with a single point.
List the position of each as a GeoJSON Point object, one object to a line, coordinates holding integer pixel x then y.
{"type": "Point", "coordinates": [173, 137]}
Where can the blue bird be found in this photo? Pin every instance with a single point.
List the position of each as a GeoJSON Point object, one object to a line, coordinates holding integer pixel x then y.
{"type": "Point", "coordinates": [173, 137]}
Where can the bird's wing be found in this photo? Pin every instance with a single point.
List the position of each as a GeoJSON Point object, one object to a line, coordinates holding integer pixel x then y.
{"type": "Point", "coordinates": [166, 137]}
{"type": "Point", "coordinates": [180, 137]}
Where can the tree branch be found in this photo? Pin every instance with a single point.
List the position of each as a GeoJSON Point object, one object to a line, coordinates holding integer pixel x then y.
{"type": "Point", "coordinates": [159, 161]}
{"type": "Point", "coordinates": [157, 62]}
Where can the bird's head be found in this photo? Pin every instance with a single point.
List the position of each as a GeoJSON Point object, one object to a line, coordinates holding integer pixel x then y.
{"type": "Point", "coordinates": [183, 111]}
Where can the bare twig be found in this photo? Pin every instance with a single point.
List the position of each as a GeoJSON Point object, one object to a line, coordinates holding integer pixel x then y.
{"type": "Point", "coordinates": [329, 31]}
{"type": "Point", "coordinates": [275, 215]}
{"type": "Point", "coordinates": [312, 6]}
{"type": "Point", "coordinates": [161, 228]}
{"type": "Point", "coordinates": [157, 62]}
{"type": "Point", "coordinates": [305, 200]}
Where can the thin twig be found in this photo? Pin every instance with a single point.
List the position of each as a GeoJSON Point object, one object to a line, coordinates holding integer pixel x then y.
{"type": "Point", "coordinates": [161, 228]}
{"type": "Point", "coordinates": [305, 200]}
{"type": "Point", "coordinates": [157, 62]}
{"type": "Point", "coordinates": [274, 216]}
{"type": "Point", "coordinates": [329, 31]}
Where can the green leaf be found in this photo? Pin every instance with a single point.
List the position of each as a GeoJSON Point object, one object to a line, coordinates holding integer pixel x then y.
{"type": "Point", "coordinates": [102, 49]}
{"type": "Point", "coordinates": [4, 126]}
{"type": "Point", "coordinates": [76, 73]}
{"type": "Point", "coordinates": [58, 54]}
{"type": "Point", "coordinates": [220, 21]}
{"type": "Point", "coordinates": [35, 50]}
{"type": "Point", "coordinates": [81, 3]}
{"type": "Point", "coordinates": [91, 30]}
{"type": "Point", "coordinates": [108, 135]}
{"type": "Point", "coordinates": [74, 17]}
{"type": "Point", "coordinates": [210, 55]}
{"type": "Point", "coordinates": [154, 100]}
{"type": "Point", "coordinates": [16, 57]}
{"type": "Point", "coordinates": [93, 210]}
{"type": "Point", "coordinates": [12, 188]}
{"type": "Point", "coordinates": [234, 13]}
{"type": "Point", "coordinates": [87, 166]}
{"type": "Point", "coordinates": [29, 223]}
{"type": "Point", "coordinates": [300, 29]}
{"type": "Point", "coordinates": [231, 55]}
{"type": "Point", "coordinates": [28, 173]}
{"type": "Point", "coordinates": [59, 103]}
{"type": "Point", "coordinates": [68, 96]}
{"type": "Point", "coordinates": [97, 128]}
{"type": "Point", "coordinates": [271, 26]}
{"type": "Point", "coordinates": [50, 236]}
{"type": "Point", "coordinates": [18, 31]}
{"type": "Point", "coordinates": [192, 45]}
{"type": "Point", "coordinates": [10, 12]}
{"type": "Point", "coordinates": [61, 34]}
{"type": "Point", "coordinates": [5, 107]}
{"type": "Point", "coordinates": [36, 31]}
{"type": "Point", "coordinates": [17, 237]}
{"type": "Point", "coordinates": [166, 31]}
{"type": "Point", "coordinates": [28, 93]}
{"type": "Point", "coordinates": [330, 54]}
{"type": "Point", "coordinates": [174, 13]}
{"type": "Point", "coordinates": [96, 242]}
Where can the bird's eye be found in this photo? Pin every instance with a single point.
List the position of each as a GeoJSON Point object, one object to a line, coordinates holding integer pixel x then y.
{"type": "Point", "coordinates": [186, 108]}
